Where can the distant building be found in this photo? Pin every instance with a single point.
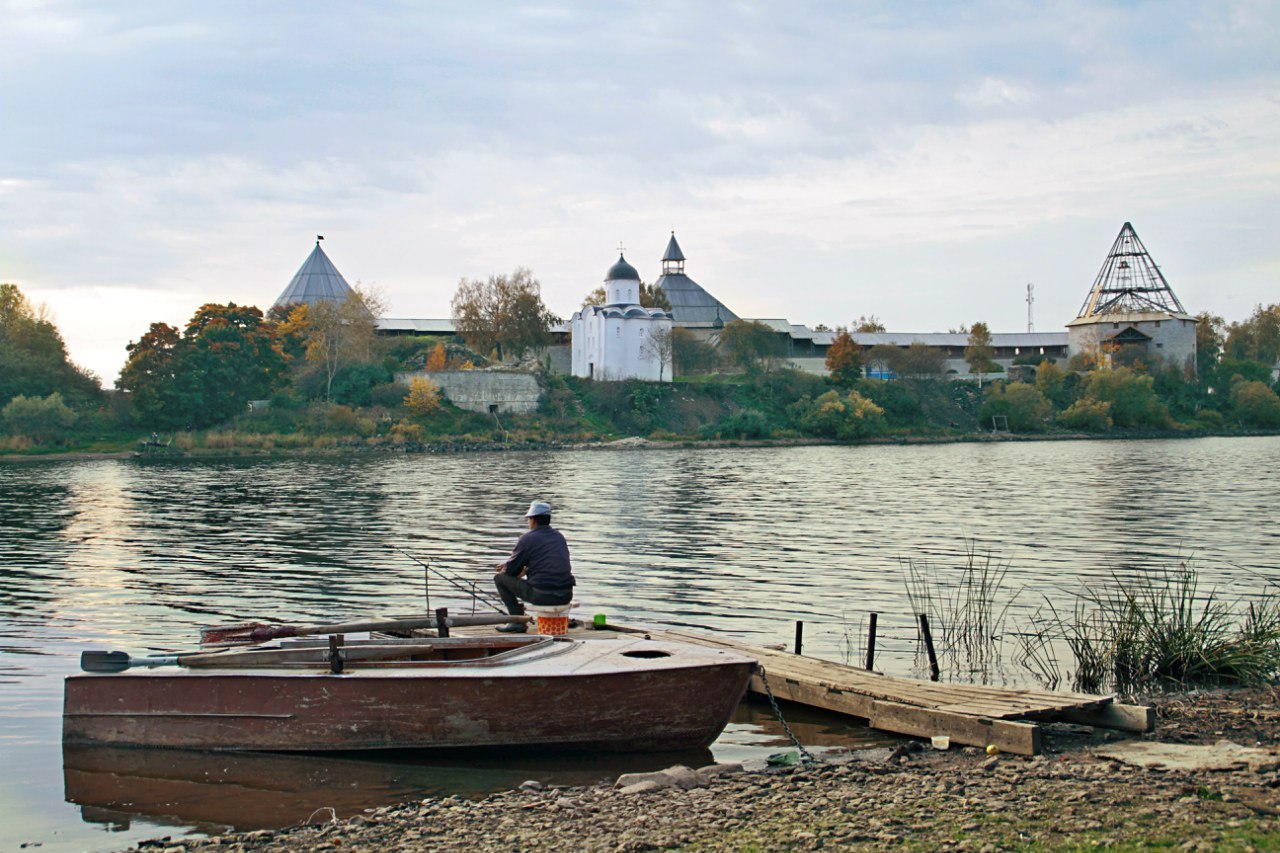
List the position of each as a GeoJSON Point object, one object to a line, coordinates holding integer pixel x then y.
{"type": "Point", "coordinates": [621, 339]}
{"type": "Point", "coordinates": [1131, 307]}
{"type": "Point", "coordinates": [318, 279]}
{"type": "Point", "coordinates": [691, 306]}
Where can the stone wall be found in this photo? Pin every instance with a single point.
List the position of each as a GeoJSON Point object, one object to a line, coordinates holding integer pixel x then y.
{"type": "Point", "coordinates": [482, 390]}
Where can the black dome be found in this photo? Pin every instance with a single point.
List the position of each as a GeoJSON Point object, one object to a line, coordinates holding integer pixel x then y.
{"type": "Point", "coordinates": [622, 271]}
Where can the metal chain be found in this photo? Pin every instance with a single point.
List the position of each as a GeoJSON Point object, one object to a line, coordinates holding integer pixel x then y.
{"type": "Point", "coordinates": [805, 755]}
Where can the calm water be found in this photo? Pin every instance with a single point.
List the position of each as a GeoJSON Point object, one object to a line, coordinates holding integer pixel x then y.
{"type": "Point", "coordinates": [137, 555]}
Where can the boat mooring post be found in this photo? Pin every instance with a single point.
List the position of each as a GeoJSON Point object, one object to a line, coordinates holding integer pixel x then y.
{"type": "Point", "coordinates": [442, 621]}
{"type": "Point", "coordinates": [335, 653]}
{"type": "Point", "coordinates": [928, 647]}
{"type": "Point", "coordinates": [799, 636]}
{"type": "Point", "coordinates": [871, 643]}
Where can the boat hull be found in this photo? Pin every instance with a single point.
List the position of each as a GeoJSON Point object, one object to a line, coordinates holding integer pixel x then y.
{"type": "Point", "coordinates": [657, 709]}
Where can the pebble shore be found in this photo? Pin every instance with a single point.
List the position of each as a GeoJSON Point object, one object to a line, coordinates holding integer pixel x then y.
{"type": "Point", "coordinates": [907, 798]}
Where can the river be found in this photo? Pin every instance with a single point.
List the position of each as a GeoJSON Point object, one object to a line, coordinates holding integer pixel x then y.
{"type": "Point", "coordinates": [138, 554]}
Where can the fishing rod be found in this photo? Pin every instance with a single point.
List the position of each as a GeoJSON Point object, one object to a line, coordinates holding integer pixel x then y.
{"type": "Point", "coordinates": [468, 587]}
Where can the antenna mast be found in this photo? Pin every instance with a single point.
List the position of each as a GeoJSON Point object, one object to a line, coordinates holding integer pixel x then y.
{"type": "Point", "coordinates": [1031, 298]}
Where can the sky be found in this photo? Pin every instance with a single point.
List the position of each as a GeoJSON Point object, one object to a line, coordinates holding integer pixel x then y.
{"type": "Point", "coordinates": [818, 161]}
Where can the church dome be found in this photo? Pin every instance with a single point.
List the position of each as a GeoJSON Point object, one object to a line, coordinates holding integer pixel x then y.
{"type": "Point", "coordinates": [622, 271]}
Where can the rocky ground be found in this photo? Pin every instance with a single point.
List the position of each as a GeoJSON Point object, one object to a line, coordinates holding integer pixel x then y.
{"type": "Point", "coordinates": [908, 798]}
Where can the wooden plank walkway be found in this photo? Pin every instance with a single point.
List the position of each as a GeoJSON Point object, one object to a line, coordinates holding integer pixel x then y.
{"type": "Point", "coordinates": [969, 714]}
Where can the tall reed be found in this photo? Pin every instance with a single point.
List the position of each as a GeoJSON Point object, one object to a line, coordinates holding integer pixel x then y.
{"type": "Point", "coordinates": [964, 609]}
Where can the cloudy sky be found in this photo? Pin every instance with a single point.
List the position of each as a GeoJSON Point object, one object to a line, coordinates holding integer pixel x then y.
{"type": "Point", "coordinates": [817, 160]}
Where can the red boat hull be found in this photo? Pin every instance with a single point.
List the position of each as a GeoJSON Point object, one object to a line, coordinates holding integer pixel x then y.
{"type": "Point", "coordinates": [664, 709]}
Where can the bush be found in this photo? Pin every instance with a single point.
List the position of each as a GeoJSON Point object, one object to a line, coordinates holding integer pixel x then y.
{"type": "Point", "coordinates": [1087, 415]}
{"type": "Point", "coordinates": [1255, 404]}
{"type": "Point", "coordinates": [353, 385]}
{"type": "Point", "coordinates": [45, 420]}
{"type": "Point", "coordinates": [423, 399]}
{"type": "Point", "coordinates": [745, 424]}
{"type": "Point", "coordinates": [847, 418]}
{"type": "Point", "coordinates": [1132, 397]}
{"type": "Point", "coordinates": [1026, 409]}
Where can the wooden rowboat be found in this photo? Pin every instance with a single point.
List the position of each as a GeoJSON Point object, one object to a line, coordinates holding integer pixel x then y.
{"type": "Point", "coordinates": [620, 693]}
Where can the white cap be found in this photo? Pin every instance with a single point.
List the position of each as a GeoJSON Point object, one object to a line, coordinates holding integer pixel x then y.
{"type": "Point", "coordinates": [538, 508]}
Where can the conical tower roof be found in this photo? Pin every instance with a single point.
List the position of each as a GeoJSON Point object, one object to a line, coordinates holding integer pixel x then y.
{"type": "Point", "coordinates": [1129, 282]}
{"type": "Point", "coordinates": [318, 279]}
{"type": "Point", "coordinates": [691, 305]}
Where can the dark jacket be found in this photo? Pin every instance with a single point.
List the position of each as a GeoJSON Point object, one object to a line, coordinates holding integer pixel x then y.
{"type": "Point", "coordinates": [544, 556]}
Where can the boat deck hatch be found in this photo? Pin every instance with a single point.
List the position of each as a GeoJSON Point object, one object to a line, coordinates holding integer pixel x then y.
{"type": "Point", "coordinates": [646, 653]}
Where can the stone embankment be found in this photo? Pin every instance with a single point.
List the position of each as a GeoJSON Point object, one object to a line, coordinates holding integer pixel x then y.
{"type": "Point", "coordinates": [908, 798]}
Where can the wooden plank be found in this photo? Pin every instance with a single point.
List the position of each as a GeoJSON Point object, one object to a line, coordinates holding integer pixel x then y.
{"type": "Point", "coordinates": [853, 704]}
{"type": "Point", "coordinates": [1126, 718]}
{"type": "Point", "coordinates": [1007, 735]}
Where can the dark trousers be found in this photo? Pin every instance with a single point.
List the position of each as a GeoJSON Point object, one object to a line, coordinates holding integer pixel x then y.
{"type": "Point", "coordinates": [514, 590]}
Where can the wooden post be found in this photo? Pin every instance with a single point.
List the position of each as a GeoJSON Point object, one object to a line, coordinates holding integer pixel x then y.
{"type": "Point", "coordinates": [871, 643]}
{"type": "Point", "coordinates": [928, 647]}
{"type": "Point", "coordinates": [442, 621]}
{"type": "Point", "coordinates": [799, 636]}
{"type": "Point", "coordinates": [335, 653]}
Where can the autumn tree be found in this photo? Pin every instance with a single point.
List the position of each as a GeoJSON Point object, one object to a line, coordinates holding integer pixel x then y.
{"type": "Point", "coordinates": [226, 356]}
{"type": "Point", "coordinates": [868, 324]}
{"type": "Point", "coordinates": [154, 377]}
{"type": "Point", "coordinates": [505, 314]}
{"type": "Point", "coordinates": [342, 333]}
{"type": "Point", "coordinates": [651, 296]}
{"type": "Point", "coordinates": [438, 359]}
{"type": "Point", "coordinates": [979, 353]}
{"type": "Point", "coordinates": [423, 398]}
{"type": "Point", "coordinates": [660, 346]}
{"type": "Point", "coordinates": [844, 359]}
{"type": "Point", "coordinates": [748, 343]}
{"type": "Point", "coordinates": [1255, 404]}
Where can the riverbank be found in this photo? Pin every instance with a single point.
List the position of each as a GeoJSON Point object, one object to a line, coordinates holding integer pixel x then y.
{"type": "Point", "coordinates": [628, 443]}
{"type": "Point", "coordinates": [907, 798]}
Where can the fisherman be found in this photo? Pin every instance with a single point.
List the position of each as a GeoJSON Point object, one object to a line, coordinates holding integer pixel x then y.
{"type": "Point", "coordinates": [542, 557]}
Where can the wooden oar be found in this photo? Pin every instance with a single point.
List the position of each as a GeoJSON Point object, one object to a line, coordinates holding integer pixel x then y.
{"type": "Point", "coordinates": [97, 661]}
{"type": "Point", "coordinates": [258, 632]}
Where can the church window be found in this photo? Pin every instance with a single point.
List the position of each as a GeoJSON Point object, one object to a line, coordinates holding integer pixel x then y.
{"type": "Point", "coordinates": [618, 332]}
{"type": "Point", "coordinates": [642, 332]}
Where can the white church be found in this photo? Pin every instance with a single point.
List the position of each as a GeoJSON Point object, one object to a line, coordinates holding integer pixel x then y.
{"type": "Point", "coordinates": [621, 339]}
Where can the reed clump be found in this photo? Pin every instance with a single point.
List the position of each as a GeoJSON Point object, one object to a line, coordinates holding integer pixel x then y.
{"type": "Point", "coordinates": [1160, 630]}
{"type": "Point", "coordinates": [967, 607]}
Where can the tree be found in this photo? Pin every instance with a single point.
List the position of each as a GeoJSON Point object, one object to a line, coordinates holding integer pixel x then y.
{"type": "Point", "coordinates": [1255, 404]}
{"type": "Point", "coordinates": [651, 296]}
{"type": "Point", "coordinates": [423, 398]}
{"type": "Point", "coordinates": [33, 355]}
{"type": "Point", "coordinates": [1209, 340]}
{"type": "Point", "coordinates": [844, 359]}
{"type": "Point", "coordinates": [1257, 338]}
{"type": "Point", "coordinates": [227, 355]}
{"type": "Point", "coordinates": [153, 376]}
{"type": "Point", "coordinates": [439, 358]}
{"type": "Point", "coordinates": [920, 361]}
{"type": "Point", "coordinates": [1131, 395]}
{"type": "Point", "coordinates": [504, 313]}
{"type": "Point", "coordinates": [979, 353]}
{"type": "Point", "coordinates": [689, 354]}
{"type": "Point", "coordinates": [1055, 384]}
{"type": "Point", "coordinates": [341, 333]}
{"type": "Point", "coordinates": [660, 346]}
{"type": "Point", "coordinates": [883, 358]}
{"type": "Point", "coordinates": [868, 324]}
{"type": "Point", "coordinates": [748, 343]}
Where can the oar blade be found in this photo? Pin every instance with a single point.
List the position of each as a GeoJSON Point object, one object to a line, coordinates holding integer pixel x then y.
{"type": "Point", "coordinates": [96, 661]}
